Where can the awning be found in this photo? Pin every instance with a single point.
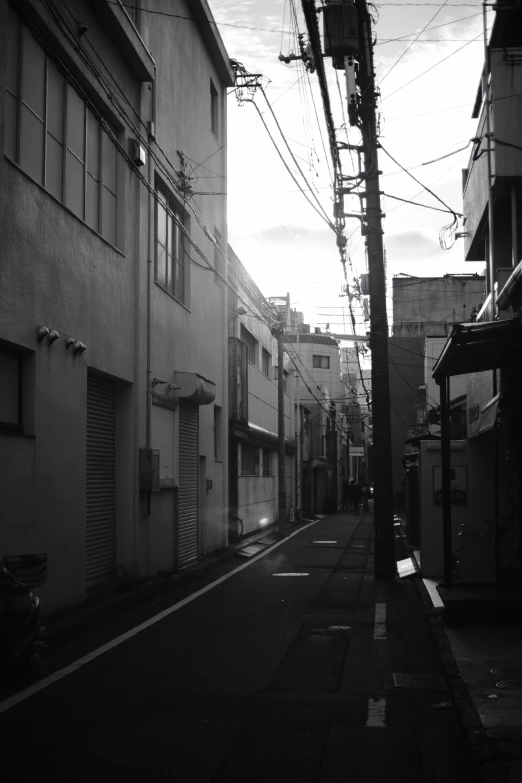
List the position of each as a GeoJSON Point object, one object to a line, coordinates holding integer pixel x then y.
{"type": "Point", "coordinates": [488, 415]}
{"type": "Point", "coordinates": [194, 388]}
{"type": "Point", "coordinates": [477, 347]}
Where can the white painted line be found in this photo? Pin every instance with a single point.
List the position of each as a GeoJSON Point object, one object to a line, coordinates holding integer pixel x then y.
{"type": "Point", "coordinates": [290, 574]}
{"type": "Point", "coordinates": [376, 714]}
{"type": "Point", "coordinates": [379, 625]}
{"type": "Point", "coordinates": [324, 542]}
{"type": "Point", "coordinates": [73, 667]}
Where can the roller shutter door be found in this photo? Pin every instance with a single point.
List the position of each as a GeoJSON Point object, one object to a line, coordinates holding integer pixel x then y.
{"type": "Point", "coordinates": [188, 523]}
{"type": "Point", "coordinates": [101, 534]}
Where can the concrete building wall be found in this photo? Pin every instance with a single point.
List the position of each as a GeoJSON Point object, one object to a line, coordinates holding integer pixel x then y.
{"type": "Point", "coordinates": [57, 271]}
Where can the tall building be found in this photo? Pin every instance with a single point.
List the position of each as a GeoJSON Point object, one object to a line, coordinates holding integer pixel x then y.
{"type": "Point", "coordinates": [113, 317]}
{"type": "Point", "coordinates": [486, 353]}
{"type": "Point", "coordinates": [424, 309]}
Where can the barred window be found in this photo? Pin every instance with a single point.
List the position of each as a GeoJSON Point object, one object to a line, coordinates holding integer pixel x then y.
{"type": "Point", "coordinates": [267, 462]}
{"type": "Point", "coordinates": [54, 137]}
{"type": "Point", "coordinates": [249, 460]}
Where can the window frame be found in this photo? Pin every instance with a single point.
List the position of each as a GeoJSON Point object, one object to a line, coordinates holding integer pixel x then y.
{"type": "Point", "coordinates": [249, 460]}
{"type": "Point", "coordinates": [321, 358]}
{"type": "Point", "coordinates": [65, 154]}
{"type": "Point", "coordinates": [252, 344]}
{"type": "Point", "coordinates": [214, 110]}
{"type": "Point", "coordinates": [267, 457]}
{"type": "Point", "coordinates": [265, 361]}
{"type": "Point", "coordinates": [174, 212]}
{"type": "Point", "coordinates": [9, 426]}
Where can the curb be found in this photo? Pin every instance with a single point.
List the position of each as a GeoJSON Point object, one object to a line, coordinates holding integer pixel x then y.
{"type": "Point", "coordinates": [486, 768]}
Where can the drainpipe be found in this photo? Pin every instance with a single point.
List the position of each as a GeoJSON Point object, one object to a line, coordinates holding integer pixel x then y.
{"type": "Point", "coordinates": [514, 226]}
{"type": "Point", "coordinates": [487, 103]}
{"type": "Point", "coordinates": [149, 283]}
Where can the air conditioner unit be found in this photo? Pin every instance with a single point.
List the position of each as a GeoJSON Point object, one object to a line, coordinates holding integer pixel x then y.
{"type": "Point", "coordinates": [137, 153]}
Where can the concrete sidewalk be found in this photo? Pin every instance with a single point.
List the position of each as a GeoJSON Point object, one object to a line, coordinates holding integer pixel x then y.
{"type": "Point", "coordinates": [297, 667]}
{"type": "Point", "coordinates": [483, 670]}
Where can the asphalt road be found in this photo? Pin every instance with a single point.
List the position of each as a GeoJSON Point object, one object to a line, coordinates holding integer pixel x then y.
{"type": "Point", "coordinates": [280, 673]}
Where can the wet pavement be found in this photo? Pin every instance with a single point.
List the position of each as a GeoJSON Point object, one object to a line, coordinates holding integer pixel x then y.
{"type": "Point", "coordinates": [294, 667]}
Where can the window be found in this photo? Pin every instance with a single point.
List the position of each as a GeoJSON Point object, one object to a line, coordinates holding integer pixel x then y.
{"type": "Point", "coordinates": [54, 137]}
{"type": "Point", "coordinates": [265, 358]}
{"type": "Point", "coordinates": [171, 268]}
{"type": "Point", "coordinates": [218, 434]}
{"type": "Point", "coordinates": [10, 390]}
{"type": "Point", "coordinates": [214, 114]}
{"type": "Point", "coordinates": [251, 344]}
{"type": "Point", "coordinates": [321, 362]}
{"type": "Point", "coordinates": [249, 460]}
{"type": "Point", "coordinates": [267, 462]}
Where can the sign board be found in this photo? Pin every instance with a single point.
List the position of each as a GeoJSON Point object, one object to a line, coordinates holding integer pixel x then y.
{"type": "Point", "coordinates": [356, 451]}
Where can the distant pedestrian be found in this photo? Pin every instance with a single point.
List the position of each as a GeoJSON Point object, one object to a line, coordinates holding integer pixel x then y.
{"type": "Point", "coordinates": [357, 496]}
{"type": "Point", "coordinates": [351, 495]}
{"type": "Point", "coordinates": [346, 488]}
{"type": "Point", "coordinates": [365, 494]}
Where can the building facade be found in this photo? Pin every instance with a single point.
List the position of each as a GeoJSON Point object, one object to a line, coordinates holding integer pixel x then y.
{"type": "Point", "coordinates": [487, 352]}
{"type": "Point", "coordinates": [424, 309]}
{"type": "Point", "coordinates": [253, 411]}
{"type": "Point", "coordinates": [113, 316]}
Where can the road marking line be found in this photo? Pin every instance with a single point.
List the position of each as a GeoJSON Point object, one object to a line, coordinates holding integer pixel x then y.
{"type": "Point", "coordinates": [376, 714]}
{"type": "Point", "coordinates": [290, 574]}
{"type": "Point", "coordinates": [379, 626]}
{"type": "Point", "coordinates": [17, 698]}
{"type": "Point", "coordinates": [324, 542]}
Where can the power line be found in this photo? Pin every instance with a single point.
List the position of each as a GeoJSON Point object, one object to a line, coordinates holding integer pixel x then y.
{"type": "Point", "coordinates": [416, 204]}
{"type": "Point", "coordinates": [405, 52]}
{"type": "Point", "coordinates": [210, 22]}
{"type": "Point", "coordinates": [425, 187]}
{"type": "Point", "coordinates": [431, 68]}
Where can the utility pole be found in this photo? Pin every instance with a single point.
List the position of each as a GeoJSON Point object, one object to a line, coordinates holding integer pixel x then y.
{"type": "Point", "coordinates": [279, 332]}
{"type": "Point", "coordinates": [385, 567]}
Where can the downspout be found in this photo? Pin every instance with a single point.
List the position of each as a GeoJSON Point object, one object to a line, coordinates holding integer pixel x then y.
{"type": "Point", "coordinates": [150, 174]}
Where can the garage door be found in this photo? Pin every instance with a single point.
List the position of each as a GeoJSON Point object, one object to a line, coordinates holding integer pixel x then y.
{"type": "Point", "coordinates": [188, 522]}
{"type": "Point", "coordinates": [100, 534]}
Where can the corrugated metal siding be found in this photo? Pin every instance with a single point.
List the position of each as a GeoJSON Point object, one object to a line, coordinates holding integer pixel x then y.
{"type": "Point", "coordinates": [100, 532]}
{"type": "Point", "coordinates": [188, 523]}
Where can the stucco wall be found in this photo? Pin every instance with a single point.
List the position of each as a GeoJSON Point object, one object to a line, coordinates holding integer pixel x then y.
{"type": "Point", "coordinates": [56, 271]}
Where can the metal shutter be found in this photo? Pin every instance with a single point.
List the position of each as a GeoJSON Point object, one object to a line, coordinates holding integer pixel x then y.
{"type": "Point", "coordinates": [100, 533]}
{"type": "Point", "coordinates": [188, 524]}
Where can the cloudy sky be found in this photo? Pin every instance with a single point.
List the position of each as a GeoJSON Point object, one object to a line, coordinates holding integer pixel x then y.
{"type": "Point", "coordinates": [276, 233]}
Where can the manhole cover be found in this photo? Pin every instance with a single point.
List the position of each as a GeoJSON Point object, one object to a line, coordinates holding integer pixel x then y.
{"type": "Point", "coordinates": [418, 682]}
{"type": "Point", "coordinates": [509, 685]}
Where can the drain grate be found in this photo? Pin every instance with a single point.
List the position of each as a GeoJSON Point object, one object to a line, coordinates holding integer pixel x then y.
{"type": "Point", "coordinates": [418, 682]}
{"type": "Point", "coordinates": [509, 685]}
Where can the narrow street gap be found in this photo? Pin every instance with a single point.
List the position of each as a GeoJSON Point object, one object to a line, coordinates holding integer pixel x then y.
{"type": "Point", "coordinates": [261, 680]}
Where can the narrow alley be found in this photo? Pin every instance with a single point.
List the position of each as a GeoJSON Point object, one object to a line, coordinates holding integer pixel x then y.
{"type": "Point", "coordinates": [293, 667]}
